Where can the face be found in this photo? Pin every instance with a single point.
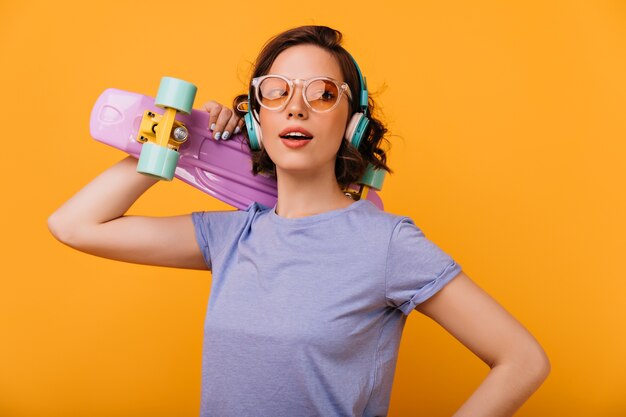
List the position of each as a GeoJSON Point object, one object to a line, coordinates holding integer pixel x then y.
{"type": "Point", "coordinates": [327, 129]}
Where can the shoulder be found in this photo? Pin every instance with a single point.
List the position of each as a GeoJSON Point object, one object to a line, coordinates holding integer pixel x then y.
{"type": "Point", "coordinates": [227, 219]}
{"type": "Point", "coordinates": [377, 223]}
{"type": "Point", "coordinates": [400, 231]}
{"type": "Point", "coordinates": [252, 210]}
{"type": "Point", "coordinates": [374, 214]}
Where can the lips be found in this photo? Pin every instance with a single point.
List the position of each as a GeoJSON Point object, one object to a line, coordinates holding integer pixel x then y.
{"type": "Point", "coordinates": [290, 129]}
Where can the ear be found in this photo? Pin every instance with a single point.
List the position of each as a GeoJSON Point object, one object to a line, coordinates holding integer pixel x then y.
{"type": "Point", "coordinates": [243, 106]}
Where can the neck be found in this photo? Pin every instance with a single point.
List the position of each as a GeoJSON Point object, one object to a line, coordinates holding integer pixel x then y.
{"type": "Point", "coordinates": [302, 194]}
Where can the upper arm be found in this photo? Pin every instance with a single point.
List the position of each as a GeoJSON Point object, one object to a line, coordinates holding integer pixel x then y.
{"type": "Point", "coordinates": [481, 324]}
{"type": "Point", "coordinates": [161, 241]}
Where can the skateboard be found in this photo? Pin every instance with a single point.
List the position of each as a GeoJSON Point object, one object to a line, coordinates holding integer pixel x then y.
{"type": "Point", "coordinates": [171, 139]}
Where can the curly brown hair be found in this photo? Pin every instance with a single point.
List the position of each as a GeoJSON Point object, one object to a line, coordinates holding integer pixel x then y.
{"type": "Point", "coordinates": [351, 162]}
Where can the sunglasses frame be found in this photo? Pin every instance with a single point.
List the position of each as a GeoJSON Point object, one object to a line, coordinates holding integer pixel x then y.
{"type": "Point", "coordinates": [342, 87]}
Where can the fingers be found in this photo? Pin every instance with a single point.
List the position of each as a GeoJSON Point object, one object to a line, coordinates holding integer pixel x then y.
{"type": "Point", "coordinates": [233, 126]}
{"type": "Point", "coordinates": [239, 126]}
{"type": "Point", "coordinates": [213, 108]}
{"type": "Point", "coordinates": [223, 121]}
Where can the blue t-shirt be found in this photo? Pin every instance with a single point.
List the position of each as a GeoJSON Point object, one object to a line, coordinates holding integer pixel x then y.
{"type": "Point", "coordinates": [305, 315]}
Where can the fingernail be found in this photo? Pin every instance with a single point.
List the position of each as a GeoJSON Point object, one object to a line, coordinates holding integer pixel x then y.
{"type": "Point", "coordinates": [237, 130]}
{"type": "Point", "coordinates": [217, 135]}
{"type": "Point", "coordinates": [225, 136]}
{"type": "Point", "coordinates": [213, 126]}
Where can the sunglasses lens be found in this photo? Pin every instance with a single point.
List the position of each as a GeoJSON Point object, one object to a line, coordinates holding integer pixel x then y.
{"type": "Point", "coordinates": [273, 92]}
{"type": "Point", "coordinates": [322, 94]}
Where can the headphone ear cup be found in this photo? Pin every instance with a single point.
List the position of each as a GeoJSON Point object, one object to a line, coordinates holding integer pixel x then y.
{"type": "Point", "coordinates": [356, 128]}
{"type": "Point", "coordinates": [254, 132]}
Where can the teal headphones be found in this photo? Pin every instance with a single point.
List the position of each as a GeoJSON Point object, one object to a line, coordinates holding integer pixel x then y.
{"type": "Point", "coordinates": [354, 131]}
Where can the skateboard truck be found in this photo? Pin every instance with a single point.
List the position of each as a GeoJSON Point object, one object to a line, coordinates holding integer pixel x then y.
{"type": "Point", "coordinates": [150, 124]}
{"type": "Point", "coordinates": [162, 135]}
{"type": "Point", "coordinates": [372, 178]}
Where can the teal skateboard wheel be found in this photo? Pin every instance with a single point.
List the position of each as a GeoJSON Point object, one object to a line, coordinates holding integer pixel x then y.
{"type": "Point", "coordinates": [157, 161]}
{"type": "Point", "coordinates": [176, 94]}
{"type": "Point", "coordinates": [373, 177]}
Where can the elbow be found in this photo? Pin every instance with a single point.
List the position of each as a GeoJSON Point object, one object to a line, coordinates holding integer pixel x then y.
{"type": "Point", "coordinates": [535, 364]}
{"type": "Point", "coordinates": [54, 226]}
{"type": "Point", "coordinates": [541, 365]}
{"type": "Point", "coordinates": [529, 362]}
{"type": "Point", "coordinates": [60, 229]}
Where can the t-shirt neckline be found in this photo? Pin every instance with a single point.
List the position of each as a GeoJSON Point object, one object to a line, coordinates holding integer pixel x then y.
{"type": "Point", "coordinates": [314, 217]}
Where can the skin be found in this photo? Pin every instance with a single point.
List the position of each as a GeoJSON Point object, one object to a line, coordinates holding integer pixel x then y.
{"type": "Point", "coordinates": [94, 221]}
{"type": "Point", "coordinates": [306, 176]}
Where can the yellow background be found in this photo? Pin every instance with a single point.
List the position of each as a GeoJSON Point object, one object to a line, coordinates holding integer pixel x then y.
{"type": "Point", "coordinates": [509, 152]}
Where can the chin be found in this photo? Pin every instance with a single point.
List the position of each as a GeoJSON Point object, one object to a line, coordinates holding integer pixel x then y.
{"type": "Point", "coordinates": [295, 168]}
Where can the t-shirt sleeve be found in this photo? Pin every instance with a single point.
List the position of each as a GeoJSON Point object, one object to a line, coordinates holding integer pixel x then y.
{"type": "Point", "coordinates": [416, 267]}
{"type": "Point", "coordinates": [216, 229]}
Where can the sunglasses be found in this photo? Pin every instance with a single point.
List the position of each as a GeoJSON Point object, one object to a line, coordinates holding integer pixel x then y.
{"type": "Point", "coordinates": [321, 94]}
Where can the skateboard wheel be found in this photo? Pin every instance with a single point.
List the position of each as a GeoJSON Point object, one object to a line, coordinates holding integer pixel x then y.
{"type": "Point", "coordinates": [176, 94]}
{"type": "Point", "coordinates": [157, 161]}
{"type": "Point", "coordinates": [373, 177]}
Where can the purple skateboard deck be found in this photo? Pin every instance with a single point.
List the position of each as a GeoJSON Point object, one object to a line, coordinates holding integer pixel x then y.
{"type": "Point", "coordinates": [222, 169]}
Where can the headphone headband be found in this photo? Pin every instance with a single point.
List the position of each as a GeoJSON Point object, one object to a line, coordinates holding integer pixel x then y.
{"type": "Point", "coordinates": [363, 85]}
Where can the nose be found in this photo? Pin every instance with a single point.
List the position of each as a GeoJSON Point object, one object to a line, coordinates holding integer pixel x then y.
{"type": "Point", "coordinates": [296, 106]}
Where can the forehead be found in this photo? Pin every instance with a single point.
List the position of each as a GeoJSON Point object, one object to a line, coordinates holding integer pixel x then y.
{"type": "Point", "coordinates": [306, 61]}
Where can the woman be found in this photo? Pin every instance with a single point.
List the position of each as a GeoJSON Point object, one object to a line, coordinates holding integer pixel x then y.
{"type": "Point", "coordinates": [309, 298]}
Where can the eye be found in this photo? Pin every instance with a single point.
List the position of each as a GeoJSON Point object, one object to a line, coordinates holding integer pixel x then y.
{"type": "Point", "coordinates": [276, 93]}
{"type": "Point", "coordinates": [322, 90]}
{"type": "Point", "coordinates": [327, 95]}
{"type": "Point", "coordinates": [323, 95]}
{"type": "Point", "coordinates": [273, 88]}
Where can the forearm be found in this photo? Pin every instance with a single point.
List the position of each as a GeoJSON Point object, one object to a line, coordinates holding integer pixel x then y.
{"type": "Point", "coordinates": [505, 389]}
{"type": "Point", "coordinates": [107, 197]}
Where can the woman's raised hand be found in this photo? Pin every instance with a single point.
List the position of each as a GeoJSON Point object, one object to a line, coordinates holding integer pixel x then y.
{"type": "Point", "coordinates": [223, 121]}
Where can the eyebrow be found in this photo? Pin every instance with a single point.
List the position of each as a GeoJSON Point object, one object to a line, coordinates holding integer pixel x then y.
{"type": "Point", "coordinates": [316, 76]}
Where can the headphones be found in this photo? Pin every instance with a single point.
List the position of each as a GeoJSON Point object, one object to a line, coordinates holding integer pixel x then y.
{"type": "Point", "coordinates": [354, 131]}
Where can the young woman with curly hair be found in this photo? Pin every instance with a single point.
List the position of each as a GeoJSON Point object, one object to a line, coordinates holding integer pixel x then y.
{"type": "Point", "coordinates": [309, 298]}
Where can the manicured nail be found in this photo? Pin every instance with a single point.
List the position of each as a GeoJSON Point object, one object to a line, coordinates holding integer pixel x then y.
{"type": "Point", "coordinates": [213, 126]}
{"type": "Point", "coordinates": [225, 136]}
{"type": "Point", "coordinates": [217, 135]}
{"type": "Point", "coordinates": [237, 130]}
